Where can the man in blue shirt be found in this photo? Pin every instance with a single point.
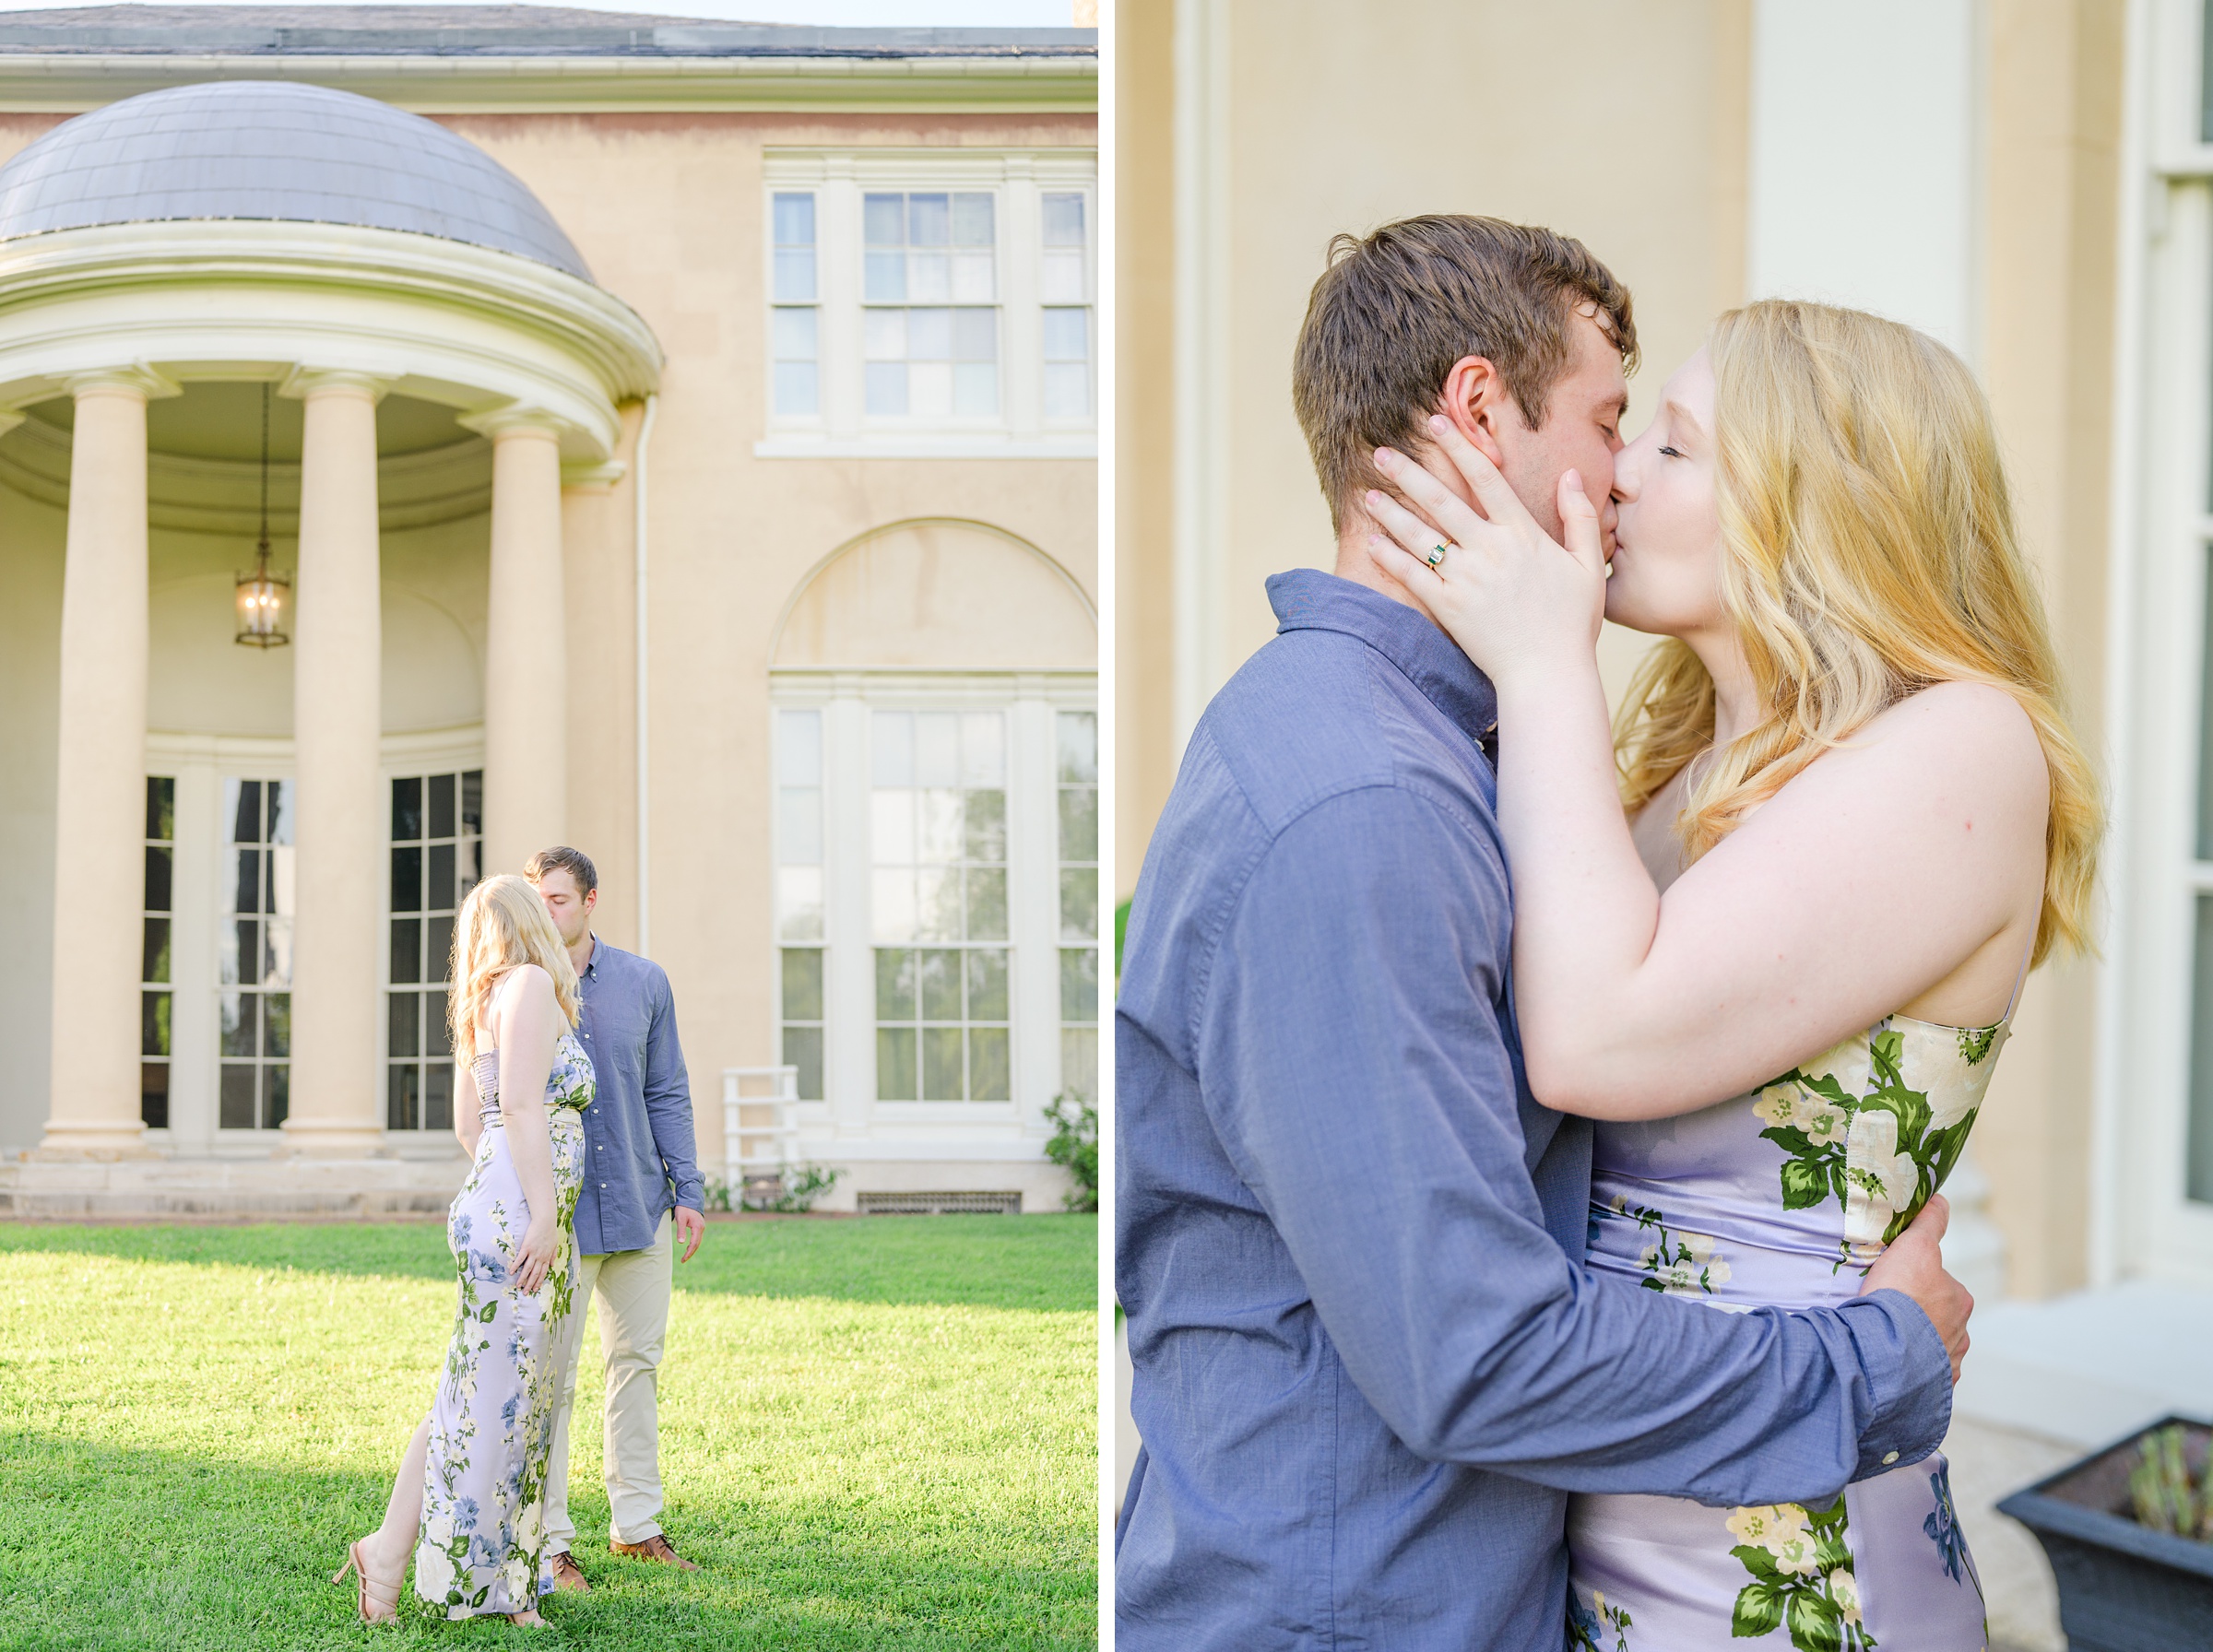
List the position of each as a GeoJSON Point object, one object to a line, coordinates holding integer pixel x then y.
{"type": "Point", "coordinates": [641, 1178]}
{"type": "Point", "coordinates": [1369, 1365]}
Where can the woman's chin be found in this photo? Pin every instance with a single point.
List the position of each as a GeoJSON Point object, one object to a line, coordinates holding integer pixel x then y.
{"type": "Point", "coordinates": [1627, 616]}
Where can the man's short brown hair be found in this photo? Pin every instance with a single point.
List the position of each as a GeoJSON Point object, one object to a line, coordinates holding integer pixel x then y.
{"type": "Point", "coordinates": [560, 858]}
{"type": "Point", "coordinates": [1394, 311]}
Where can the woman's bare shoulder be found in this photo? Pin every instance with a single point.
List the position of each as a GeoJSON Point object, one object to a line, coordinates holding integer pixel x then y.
{"type": "Point", "coordinates": [1963, 752]}
{"type": "Point", "coordinates": [523, 981]}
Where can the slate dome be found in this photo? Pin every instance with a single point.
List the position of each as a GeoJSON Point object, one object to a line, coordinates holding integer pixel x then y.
{"type": "Point", "coordinates": [274, 151]}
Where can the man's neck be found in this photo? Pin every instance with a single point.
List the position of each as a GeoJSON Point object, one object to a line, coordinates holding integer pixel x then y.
{"type": "Point", "coordinates": [1354, 564]}
{"type": "Point", "coordinates": [580, 952]}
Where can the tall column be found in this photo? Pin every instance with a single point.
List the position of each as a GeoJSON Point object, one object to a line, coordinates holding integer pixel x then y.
{"type": "Point", "coordinates": [338, 719]}
{"type": "Point", "coordinates": [100, 779]}
{"type": "Point", "coordinates": [525, 653]}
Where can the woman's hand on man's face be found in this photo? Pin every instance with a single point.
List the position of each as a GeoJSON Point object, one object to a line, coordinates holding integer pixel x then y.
{"type": "Point", "coordinates": [1506, 592]}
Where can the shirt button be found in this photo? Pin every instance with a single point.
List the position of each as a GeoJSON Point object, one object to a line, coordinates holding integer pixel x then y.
{"type": "Point", "coordinates": [1889, 1457]}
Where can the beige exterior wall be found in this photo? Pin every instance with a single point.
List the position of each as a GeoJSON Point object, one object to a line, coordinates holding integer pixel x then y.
{"type": "Point", "coordinates": [2055, 117]}
{"type": "Point", "coordinates": [1635, 145]}
{"type": "Point", "coordinates": [1640, 143]}
{"type": "Point", "coordinates": [668, 209]}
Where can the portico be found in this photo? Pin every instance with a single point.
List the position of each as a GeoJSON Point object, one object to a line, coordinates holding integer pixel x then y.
{"type": "Point", "coordinates": [444, 365]}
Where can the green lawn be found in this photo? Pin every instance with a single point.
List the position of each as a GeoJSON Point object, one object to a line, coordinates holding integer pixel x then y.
{"type": "Point", "coordinates": [877, 1432]}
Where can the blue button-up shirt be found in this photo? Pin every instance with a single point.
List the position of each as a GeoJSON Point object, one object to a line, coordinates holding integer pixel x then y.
{"type": "Point", "coordinates": [1369, 1365]}
{"type": "Point", "coordinates": [638, 1154]}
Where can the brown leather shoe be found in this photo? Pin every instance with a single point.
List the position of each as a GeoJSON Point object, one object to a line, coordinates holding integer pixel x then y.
{"type": "Point", "coordinates": [655, 1548]}
{"type": "Point", "coordinates": [567, 1577]}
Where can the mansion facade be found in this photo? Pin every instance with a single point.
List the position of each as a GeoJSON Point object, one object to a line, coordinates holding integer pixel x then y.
{"type": "Point", "coordinates": [424, 444]}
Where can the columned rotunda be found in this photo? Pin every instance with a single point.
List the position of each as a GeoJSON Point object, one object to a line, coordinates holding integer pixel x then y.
{"type": "Point", "coordinates": [190, 279]}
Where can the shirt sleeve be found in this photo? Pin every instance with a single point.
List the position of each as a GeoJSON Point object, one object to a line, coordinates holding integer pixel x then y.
{"type": "Point", "coordinates": [1357, 1066]}
{"type": "Point", "coordinates": [668, 1100]}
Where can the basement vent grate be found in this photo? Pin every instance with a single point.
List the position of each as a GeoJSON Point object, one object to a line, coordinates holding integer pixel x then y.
{"type": "Point", "coordinates": [941, 1204]}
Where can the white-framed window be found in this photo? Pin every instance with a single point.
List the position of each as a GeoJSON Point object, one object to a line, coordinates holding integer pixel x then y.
{"type": "Point", "coordinates": [1065, 262]}
{"type": "Point", "coordinates": [254, 955]}
{"type": "Point", "coordinates": [930, 312]}
{"type": "Point", "coordinates": [1077, 761]}
{"type": "Point", "coordinates": [931, 303]}
{"type": "Point", "coordinates": [795, 313]}
{"type": "Point", "coordinates": [938, 904]}
{"type": "Point", "coordinates": [936, 893]}
{"type": "Point", "coordinates": [2153, 1161]}
{"type": "Point", "coordinates": [799, 895]}
{"type": "Point", "coordinates": [157, 995]}
{"type": "Point", "coordinates": [436, 858]}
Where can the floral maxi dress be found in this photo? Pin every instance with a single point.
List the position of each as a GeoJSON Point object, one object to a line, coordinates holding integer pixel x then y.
{"type": "Point", "coordinates": [481, 1547]}
{"type": "Point", "coordinates": [1784, 1197]}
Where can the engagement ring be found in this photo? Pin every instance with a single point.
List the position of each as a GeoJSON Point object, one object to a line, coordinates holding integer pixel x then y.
{"type": "Point", "coordinates": [1436, 556]}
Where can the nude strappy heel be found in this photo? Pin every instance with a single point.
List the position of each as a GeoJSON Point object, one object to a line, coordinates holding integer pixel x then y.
{"type": "Point", "coordinates": [387, 1609]}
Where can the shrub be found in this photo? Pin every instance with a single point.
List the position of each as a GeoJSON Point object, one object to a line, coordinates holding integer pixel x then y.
{"type": "Point", "coordinates": [797, 1186]}
{"type": "Point", "coordinates": [1075, 1148]}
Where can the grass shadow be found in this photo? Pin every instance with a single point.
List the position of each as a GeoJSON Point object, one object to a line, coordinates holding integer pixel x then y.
{"type": "Point", "coordinates": [1042, 1263]}
{"type": "Point", "coordinates": [130, 1551]}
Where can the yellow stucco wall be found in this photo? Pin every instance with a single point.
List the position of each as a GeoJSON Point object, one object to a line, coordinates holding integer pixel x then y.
{"type": "Point", "coordinates": [1630, 136]}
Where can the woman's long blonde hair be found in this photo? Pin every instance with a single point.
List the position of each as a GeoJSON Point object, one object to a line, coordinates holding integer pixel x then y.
{"type": "Point", "coordinates": [1868, 551]}
{"type": "Point", "coordinates": [502, 925]}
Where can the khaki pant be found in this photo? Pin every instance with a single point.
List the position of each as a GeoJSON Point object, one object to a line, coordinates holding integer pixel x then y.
{"type": "Point", "coordinates": [633, 1288]}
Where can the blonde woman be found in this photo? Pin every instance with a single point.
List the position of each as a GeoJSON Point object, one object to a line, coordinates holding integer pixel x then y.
{"type": "Point", "coordinates": [1855, 819]}
{"type": "Point", "coordinates": [469, 1499]}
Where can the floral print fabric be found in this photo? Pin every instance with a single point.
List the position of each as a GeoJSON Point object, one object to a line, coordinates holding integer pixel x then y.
{"type": "Point", "coordinates": [482, 1545]}
{"type": "Point", "coordinates": [1785, 1197]}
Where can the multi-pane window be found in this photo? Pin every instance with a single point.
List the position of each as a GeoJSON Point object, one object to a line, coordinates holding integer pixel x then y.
{"type": "Point", "coordinates": [1065, 286]}
{"type": "Point", "coordinates": [937, 830]}
{"type": "Point", "coordinates": [155, 995]}
{"type": "Point", "coordinates": [795, 319]}
{"type": "Point", "coordinates": [800, 893]}
{"type": "Point", "coordinates": [254, 956]}
{"type": "Point", "coordinates": [437, 828]}
{"type": "Point", "coordinates": [1077, 765]}
{"type": "Point", "coordinates": [930, 288]}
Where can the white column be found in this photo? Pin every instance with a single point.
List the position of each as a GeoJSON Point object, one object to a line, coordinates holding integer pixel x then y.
{"type": "Point", "coordinates": [100, 780]}
{"type": "Point", "coordinates": [1866, 159]}
{"type": "Point", "coordinates": [526, 654]}
{"type": "Point", "coordinates": [338, 724]}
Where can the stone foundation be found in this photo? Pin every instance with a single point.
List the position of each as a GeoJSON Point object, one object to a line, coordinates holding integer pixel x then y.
{"type": "Point", "coordinates": [140, 1189]}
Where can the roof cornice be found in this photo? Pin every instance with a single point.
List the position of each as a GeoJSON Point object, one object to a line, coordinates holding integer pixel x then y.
{"type": "Point", "coordinates": [70, 83]}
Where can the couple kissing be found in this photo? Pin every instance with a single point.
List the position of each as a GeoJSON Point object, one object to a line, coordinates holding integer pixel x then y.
{"type": "Point", "coordinates": [1531, 1124]}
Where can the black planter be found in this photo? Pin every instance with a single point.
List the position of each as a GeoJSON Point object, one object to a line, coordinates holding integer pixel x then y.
{"type": "Point", "coordinates": [2123, 1588]}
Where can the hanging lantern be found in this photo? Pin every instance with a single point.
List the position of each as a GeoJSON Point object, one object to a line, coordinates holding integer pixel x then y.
{"type": "Point", "coordinates": [261, 604]}
{"type": "Point", "coordinates": [261, 595]}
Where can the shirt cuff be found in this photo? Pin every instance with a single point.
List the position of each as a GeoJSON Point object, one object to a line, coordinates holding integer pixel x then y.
{"type": "Point", "coordinates": [691, 1193]}
{"type": "Point", "coordinates": [1908, 1379]}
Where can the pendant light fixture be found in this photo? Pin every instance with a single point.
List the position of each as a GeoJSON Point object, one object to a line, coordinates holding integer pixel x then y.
{"type": "Point", "coordinates": [261, 595]}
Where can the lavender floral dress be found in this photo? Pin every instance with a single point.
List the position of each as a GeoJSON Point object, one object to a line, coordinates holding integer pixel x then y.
{"type": "Point", "coordinates": [1785, 1197]}
{"type": "Point", "coordinates": [482, 1548]}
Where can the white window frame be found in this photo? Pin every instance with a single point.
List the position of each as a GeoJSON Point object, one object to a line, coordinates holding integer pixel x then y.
{"type": "Point", "coordinates": [838, 179]}
{"type": "Point", "coordinates": [1031, 701]}
{"type": "Point", "coordinates": [2142, 1223]}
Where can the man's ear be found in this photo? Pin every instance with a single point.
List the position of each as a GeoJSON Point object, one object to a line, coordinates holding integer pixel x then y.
{"type": "Point", "coordinates": [1475, 400]}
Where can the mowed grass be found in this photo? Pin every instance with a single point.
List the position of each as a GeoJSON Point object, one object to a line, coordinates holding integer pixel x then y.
{"type": "Point", "coordinates": [877, 1432]}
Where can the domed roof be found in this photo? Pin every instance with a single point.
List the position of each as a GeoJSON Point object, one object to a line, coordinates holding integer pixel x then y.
{"type": "Point", "coordinates": [271, 151]}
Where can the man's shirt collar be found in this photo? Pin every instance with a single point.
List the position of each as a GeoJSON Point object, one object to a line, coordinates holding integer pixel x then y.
{"type": "Point", "coordinates": [1308, 599]}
